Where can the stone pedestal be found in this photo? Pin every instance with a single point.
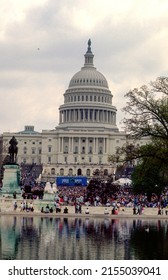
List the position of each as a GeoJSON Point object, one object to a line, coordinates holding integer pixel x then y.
{"type": "Point", "coordinates": [49, 194]}
{"type": "Point", "coordinates": [49, 197]}
{"type": "Point", "coordinates": [11, 179]}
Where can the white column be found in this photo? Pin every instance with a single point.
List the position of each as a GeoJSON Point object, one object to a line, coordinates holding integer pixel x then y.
{"type": "Point", "coordinates": [104, 146]}
{"type": "Point", "coordinates": [79, 147]}
{"type": "Point", "coordinates": [95, 145]}
{"type": "Point", "coordinates": [87, 146]}
{"type": "Point", "coordinates": [60, 139]}
{"type": "Point", "coordinates": [79, 117]}
{"type": "Point", "coordinates": [66, 115]}
{"type": "Point", "coordinates": [59, 145]}
{"type": "Point", "coordinates": [63, 116]}
{"type": "Point", "coordinates": [72, 147]}
{"type": "Point", "coordinates": [93, 115]}
{"type": "Point", "coordinates": [114, 118]}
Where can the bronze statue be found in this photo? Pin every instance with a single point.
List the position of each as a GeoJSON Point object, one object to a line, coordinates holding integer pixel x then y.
{"type": "Point", "coordinates": [89, 42]}
{"type": "Point", "coordinates": [13, 149]}
{"type": "Point", "coordinates": [89, 46]}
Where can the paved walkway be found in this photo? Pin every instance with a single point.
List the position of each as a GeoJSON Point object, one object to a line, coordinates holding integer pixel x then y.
{"type": "Point", "coordinates": [6, 208]}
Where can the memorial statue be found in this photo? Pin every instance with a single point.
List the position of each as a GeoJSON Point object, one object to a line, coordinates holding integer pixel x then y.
{"type": "Point", "coordinates": [13, 149]}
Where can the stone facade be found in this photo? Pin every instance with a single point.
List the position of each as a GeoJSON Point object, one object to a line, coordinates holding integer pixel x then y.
{"type": "Point", "coordinates": [87, 132]}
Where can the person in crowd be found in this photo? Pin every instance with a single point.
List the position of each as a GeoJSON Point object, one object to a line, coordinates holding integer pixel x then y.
{"type": "Point", "coordinates": [134, 210]}
{"type": "Point", "coordinates": [106, 212]}
{"type": "Point", "coordinates": [47, 209]}
{"type": "Point", "coordinates": [31, 207]}
{"type": "Point", "coordinates": [51, 210]}
{"type": "Point", "coordinates": [87, 211]}
{"type": "Point", "coordinates": [66, 210]}
{"type": "Point", "coordinates": [21, 206]}
{"type": "Point", "coordinates": [15, 205]}
{"type": "Point", "coordinates": [139, 209]}
{"type": "Point", "coordinates": [57, 207]}
{"type": "Point", "coordinates": [113, 211]}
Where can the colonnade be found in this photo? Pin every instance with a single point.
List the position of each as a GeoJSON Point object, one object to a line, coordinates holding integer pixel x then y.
{"type": "Point", "coordinates": [87, 115]}
{"type": "Point", "coordinates": [75, 145]}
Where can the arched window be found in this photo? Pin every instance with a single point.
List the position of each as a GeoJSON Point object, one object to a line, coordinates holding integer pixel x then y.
{"type": "Point", "coordinates": [70, 172]}
{"type": "Point", "coordinates": [96, 172]}
{"type": "Point", "coordinates": [62, 172]}
{"type": "Point", "coordinates": [105, 172]}
{"type": "Point", "coordinates": [52, 171]}
{"type": "Point", "coordinates": [88, 172]}
{"type": "Point", "coordinates": [79, 172]}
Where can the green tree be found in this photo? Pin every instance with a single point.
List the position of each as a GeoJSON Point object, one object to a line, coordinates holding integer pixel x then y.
{"type": "Point", "coordinates": [148, 111]}
{"type": "Point", "coordinates": [149, 177]}
{"type": "Point", "coordinates": [147, 116]}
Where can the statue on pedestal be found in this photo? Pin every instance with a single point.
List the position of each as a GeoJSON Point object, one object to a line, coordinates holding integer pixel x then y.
{"type": "Point", "coordinates": [11, 174]}
{"type": "Point", "coordinates": [13, 150]}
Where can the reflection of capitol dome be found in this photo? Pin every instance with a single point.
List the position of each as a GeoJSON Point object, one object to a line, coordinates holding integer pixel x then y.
{"type": "Point", "coordinates": [88, 100]}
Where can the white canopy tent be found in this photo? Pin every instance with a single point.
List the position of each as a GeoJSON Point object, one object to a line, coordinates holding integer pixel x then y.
{"type": "Point", "coordinates": [123, 181]}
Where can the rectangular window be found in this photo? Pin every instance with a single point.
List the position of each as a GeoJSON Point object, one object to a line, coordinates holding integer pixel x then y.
{"type": "Point", "coordinates": [76, 150]}
{"type": "Point", "coordinates": [90, 150]}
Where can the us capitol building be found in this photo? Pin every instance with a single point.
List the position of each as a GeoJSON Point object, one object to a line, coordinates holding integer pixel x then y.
{"type": "Point", "coordinates": [86, 134]}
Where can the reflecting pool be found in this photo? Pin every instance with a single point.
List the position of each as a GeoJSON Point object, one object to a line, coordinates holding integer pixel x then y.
{"type": "Point", "coordinates": [45, 238]}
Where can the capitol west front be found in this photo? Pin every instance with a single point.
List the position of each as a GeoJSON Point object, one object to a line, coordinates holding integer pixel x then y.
{"type": "Point", "coordinates": [87, 132]}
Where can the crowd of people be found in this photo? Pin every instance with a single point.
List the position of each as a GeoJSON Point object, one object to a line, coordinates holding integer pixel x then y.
{"type": "Point", "coordinates": [24, 206]}
{"type": "Point", "coordinates": [97, 193]}
{"type": "Point", "coordinates": [121, 198]}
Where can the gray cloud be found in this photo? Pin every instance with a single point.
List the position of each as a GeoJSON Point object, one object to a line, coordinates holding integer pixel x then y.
{"type": "Point", "coordinates": [41, 53]}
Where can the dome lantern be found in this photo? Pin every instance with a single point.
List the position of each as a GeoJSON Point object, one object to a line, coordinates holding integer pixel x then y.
{"type": "Point", "coordinates": [89, 56]}
{"type": "Point", "coordinates": [88, 75]}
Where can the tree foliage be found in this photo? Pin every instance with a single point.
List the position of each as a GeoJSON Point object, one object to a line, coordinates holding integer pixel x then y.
{"type": "Point", "coordinates": [148, 110]}
{"type": "Point", "coordinates": [147, 116]}
{"type": "Point", "coordinates": [149, 177]}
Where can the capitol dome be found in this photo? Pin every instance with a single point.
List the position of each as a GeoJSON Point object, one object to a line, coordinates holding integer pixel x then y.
{"type": "Point", "coordinates": [88, 100]}
{"type": "Point", "coordinates": [88, 75]}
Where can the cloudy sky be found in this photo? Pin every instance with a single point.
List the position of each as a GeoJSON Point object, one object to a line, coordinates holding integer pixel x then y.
{"type": "Point", "coordinates": [43, 42]}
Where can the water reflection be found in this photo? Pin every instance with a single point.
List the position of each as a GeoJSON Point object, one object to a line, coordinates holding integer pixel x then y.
{"type": "Point", "coordinates": [82, 239]}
